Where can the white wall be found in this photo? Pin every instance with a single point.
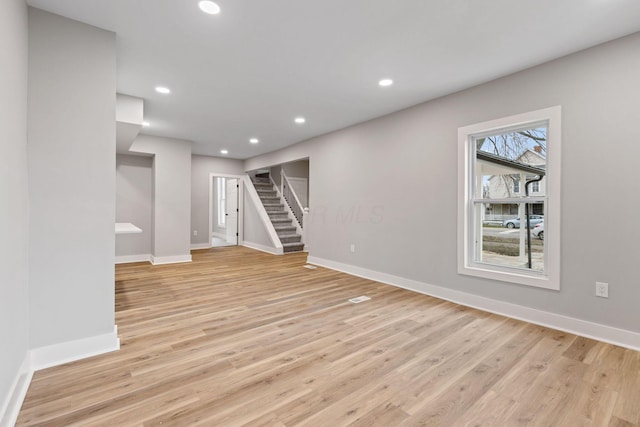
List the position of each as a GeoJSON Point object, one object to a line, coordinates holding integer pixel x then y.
{"type": "Point", "coordinates": [129, 118]}
{"type": "Point", "coordinates": [14, 214]}
{"type": "Point", "coordinates": [71, 155]}
{"type": "Point", "coordinates": [134, 203]}
{"type": "Point", "coordinates": [389, 185]}
{"type": "Point", "coordinates": [171, 196]}
{"type": "Point", "coordinates": [201, 168]}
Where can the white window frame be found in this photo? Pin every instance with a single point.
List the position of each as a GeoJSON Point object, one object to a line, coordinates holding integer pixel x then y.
{"type": "Point", "coordinates": [516, 185]}
{"type": "Point", "coordinates": [222, 202]}
{"type": "Point", "coordinates": [535, 187]}
{"type": "Point", "coordinates": [550, 278]}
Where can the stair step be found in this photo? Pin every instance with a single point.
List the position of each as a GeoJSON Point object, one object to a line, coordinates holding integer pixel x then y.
{"type": "Point", "coordinates": [285, 229]}
{"type": "Point", "coordinates": [281, 221]}
{"type": "Point", "coordinates": [265, 189]}
{"type": "Point", "coordinates": [292, 247]}
{"type": "Point", "coordinates": [290, 238]}
{"type": "Point", "coordinates": [270, 200]}
{"type": "Point", "coordinates": [274, 209]}
{"type": "Point", "coordinates": [278, 215]}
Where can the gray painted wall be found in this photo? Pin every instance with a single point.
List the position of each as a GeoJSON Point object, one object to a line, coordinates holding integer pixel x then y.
{"type": "Point", "coordinates": [171, 194]}
{"type": "Point", "coordinates": [71, 155]}
{"type": "Point", "coordinates": [299, 169]}
{"type": "Point", "coordinates": [410, 157]}
{"type": "Point", "coordinates": [254, 230]}
{"type": "Point", "coordinates": [14, 213]}
{"type": "Point", "coordinates": [201, 167]}
{"type": "Point", "coordinates": [134, 202]}
{"type": "Point", "coordinates": [275, 172]}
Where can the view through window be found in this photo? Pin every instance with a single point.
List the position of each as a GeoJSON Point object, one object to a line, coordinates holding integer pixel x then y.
{"type": "Point", "coordinates": [508, 198]}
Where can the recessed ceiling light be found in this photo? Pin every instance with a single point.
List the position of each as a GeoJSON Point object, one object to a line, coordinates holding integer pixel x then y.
{"type": "Point", "coordinates": [254, 140]}
{"type": "Point", "coordinates": [385, 82]}
{"type": "Point", "coordinates": [300, 120]}
{"type": "Point", "coordinates": [146, 124]}
{"type": "Point", "coordinates": [224, 151]}
{"type": "Point", "coordinates": [163, 90]}
{"type": "Point", "coordinates": [209, 7]}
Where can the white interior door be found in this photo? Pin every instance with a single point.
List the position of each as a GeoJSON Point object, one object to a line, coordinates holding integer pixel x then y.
{"type": "Point", "coordinates": [232, 210]}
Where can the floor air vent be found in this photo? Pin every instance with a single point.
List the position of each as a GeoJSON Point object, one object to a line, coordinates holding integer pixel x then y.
{"type": "Point", "coordinates": [310, 267]}
{"type": "Point", "coordinates": [356, 300]}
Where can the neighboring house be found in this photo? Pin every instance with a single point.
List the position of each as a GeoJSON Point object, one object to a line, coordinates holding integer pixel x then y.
{"type": "Point", "coordinates": [511, 184]}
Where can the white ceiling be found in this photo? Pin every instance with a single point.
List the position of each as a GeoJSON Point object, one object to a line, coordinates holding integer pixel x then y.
{"type": "Point", "coordinates": [249, 71]}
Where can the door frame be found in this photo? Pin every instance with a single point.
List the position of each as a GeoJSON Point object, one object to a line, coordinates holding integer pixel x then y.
{"type": "Point", "coordinates": [240, 204]}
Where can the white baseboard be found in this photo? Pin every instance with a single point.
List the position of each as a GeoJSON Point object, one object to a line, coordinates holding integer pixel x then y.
{"type": "Point", "coordinates": [10, 408]}
{"type": "Point", "coordinates": [159, 260]}
{"type": "Point", "coordinates": [46, 357]}
{"type": "Point", "coordinates": [125, 259]}
{"type": "Point", "coordinates": [263, 248]}
{"type": "Point", "coordinates": [196, 246]}
{"type": "Point", "coordinates": [608, 334]}
{"type": "Point", "coordinates": [57, 354]}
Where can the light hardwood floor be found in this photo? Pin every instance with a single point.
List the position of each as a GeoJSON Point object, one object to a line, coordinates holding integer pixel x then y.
{"type": "Point", "coordinates": [239, 337]}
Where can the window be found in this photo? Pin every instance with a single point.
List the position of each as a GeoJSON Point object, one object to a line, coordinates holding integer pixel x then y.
{"type": "Point", "coordinates": [509, 178]}
{"type": "Point", "coordinates": [516, 183]}
{"type": "Point", "coordinates": [221, 191]}
{"type": "Point", "coordinates": [535, 187]}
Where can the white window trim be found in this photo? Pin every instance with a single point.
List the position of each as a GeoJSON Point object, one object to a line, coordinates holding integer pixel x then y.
{"type": "Point", "coordinates": [551, 279]}
{"type": "Point", "coordinates": [221, 184]}
{"type": "Point", "coordinates": [535, 187]}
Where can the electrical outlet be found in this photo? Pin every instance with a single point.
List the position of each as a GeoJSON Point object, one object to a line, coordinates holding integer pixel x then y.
{"type": "Point", "coordinates": [195, 232]}
{"type": "Point", "coordinates": [602, 289]}
{"type": "Point", "coordinates": [353, 248]}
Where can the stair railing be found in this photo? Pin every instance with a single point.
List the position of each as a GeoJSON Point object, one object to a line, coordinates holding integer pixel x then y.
{"type": "Point", "coordinates": [292, 199]}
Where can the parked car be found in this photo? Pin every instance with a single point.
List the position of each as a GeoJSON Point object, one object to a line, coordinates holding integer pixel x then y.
{"type": "Point", "coordinates": [515, 222]}
{"type": "Point", "coordinates": [538, 231]}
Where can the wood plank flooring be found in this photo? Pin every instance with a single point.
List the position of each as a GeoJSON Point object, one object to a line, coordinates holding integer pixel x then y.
{"type": "Point", "coordinates": [239, 337]}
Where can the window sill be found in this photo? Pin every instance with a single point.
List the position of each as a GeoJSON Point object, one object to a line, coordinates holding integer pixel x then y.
{"type": "Point", "coordinates": [510, 276]}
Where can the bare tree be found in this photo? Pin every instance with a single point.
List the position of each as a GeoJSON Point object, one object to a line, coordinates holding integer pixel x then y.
{"type": "Point", "coordinates": [512, 145]}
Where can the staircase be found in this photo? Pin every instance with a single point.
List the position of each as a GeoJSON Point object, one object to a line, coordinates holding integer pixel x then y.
{"type": "Point", "coordinates": [287, 232]}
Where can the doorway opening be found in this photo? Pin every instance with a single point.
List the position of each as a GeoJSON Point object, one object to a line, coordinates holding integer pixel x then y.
{"type": "Point", "coordinates": [224, 212]}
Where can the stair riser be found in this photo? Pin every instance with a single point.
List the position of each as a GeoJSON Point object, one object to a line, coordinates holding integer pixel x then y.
{"type": "Point", "coordinates": [274, 209]}
{"type": "Point", "coordinates": [281, 224]}
{"type": "Point", "coordinates": [270, 200]}
{"type": "Point", "coordinates": [279, 215]}
{"type": "Point", "coordinates": [295, 239]}
{"type": "Point", "coordinates": [285, 232]}
{"type": "Point", "coordinates": [296, 248]}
